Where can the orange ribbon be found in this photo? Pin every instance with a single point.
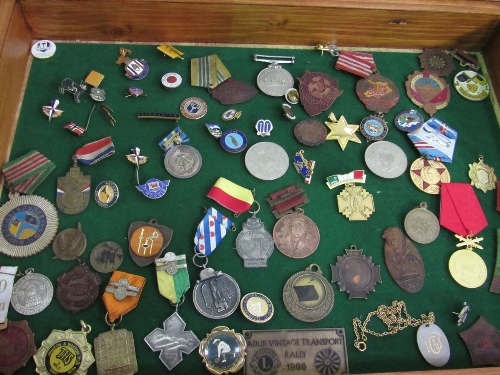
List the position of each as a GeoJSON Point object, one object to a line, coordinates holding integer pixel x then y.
{"type": "Point", "coordinates": [116, 307]}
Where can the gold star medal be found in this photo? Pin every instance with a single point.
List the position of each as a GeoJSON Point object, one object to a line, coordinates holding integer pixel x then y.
{"type": "Point", "coordinates": [341, 131]}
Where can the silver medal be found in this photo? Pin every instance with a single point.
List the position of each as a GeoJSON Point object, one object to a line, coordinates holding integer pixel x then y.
{"type": "Point", "coordinates": [386, 159]}
{"type": "Point", "coordinates": [274, 80]}
{"type": "Point", "coordinates": [216, 295]}
{"type": "Point", "coordinates": [32, 293]}
{"type": "Point", "coordinates": [433, 344]}
{"type": "Point", "coordinates": [254, 244]}
{"type": "Point", "coordinates": [421, 225]}
{"type": "Point", "coordinates": [267, 161]}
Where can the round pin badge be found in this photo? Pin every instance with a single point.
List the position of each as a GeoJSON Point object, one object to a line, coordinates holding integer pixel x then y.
{"type": "Point", "coordinates": [374, 128]}
{"type": "Point", "coordinates": [106, 194]}
{"type": "Point", "coordinates": [233, 141]}
{"type": "Point", "coordinates": [471, 85]}
{"type": "Point", "coordinates": [43, 49]}
{"type": "Point", "coordinates": [171, 80]}
{"type": "Point", "coordinates": [193, 108]}
{"type": "Point", "coordinates": [409, 120]}
{"type": "Point", "coordinates": [256, 307]}
{"type": "Point", "coordinates": [231, 114]}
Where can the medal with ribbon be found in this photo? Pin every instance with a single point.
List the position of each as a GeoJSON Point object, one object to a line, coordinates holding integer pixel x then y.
{"type": "Point", "coordinates": [208, 71]}
{"type": "Point", "coordinates": [211, 230]}
{"type": "Point", "coordinates": [26, 173]}
{"type": "Point", "coordinates": [462, 214]}
{"type": "Point", "coordinates": [232, 196]}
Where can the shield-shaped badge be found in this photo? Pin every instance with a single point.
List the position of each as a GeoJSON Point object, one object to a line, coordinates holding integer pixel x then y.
{"type": "Point", "coordinates": [317, 92]}
{"type": "Point", "coordinates": [73, 191]}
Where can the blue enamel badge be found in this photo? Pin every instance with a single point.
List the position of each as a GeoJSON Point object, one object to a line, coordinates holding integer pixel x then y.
{"type": "Point", "coordinates": [154, 188]}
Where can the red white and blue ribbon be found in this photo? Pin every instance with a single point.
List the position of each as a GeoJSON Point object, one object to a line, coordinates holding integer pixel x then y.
{"type": "Point", "coordinates": [359, 63]}
{"type": "Point", "coordinates": [24, 174]}
{"type": "Point", "coordinates": [93, 152]}
{"type": "Point", "coordinates": [210, 232]}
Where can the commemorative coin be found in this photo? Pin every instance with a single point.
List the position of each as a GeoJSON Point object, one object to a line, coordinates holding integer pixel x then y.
{"type": "Point", "coordinates": [310, 132]}
{"type": "Point", "coordinates": [385, 159]}
{"type": "Point", "coordinates": [266, 161]}
{"type": "Point", "coordinates": [296, 235]}
{"type": "Point", "coordinates": [183, 161]}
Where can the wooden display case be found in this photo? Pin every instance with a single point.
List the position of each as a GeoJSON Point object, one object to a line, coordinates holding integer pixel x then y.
{"type": "Point", "coordinates": [412, 24]}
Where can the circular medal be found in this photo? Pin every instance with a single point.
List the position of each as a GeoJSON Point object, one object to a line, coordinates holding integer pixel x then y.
{"type": "Point", "coordinates": [374, 128]}
{"type": "Point", "coordinates": [233, 141]}
{"type": "Point", "coordinates": [471, 85]}
{"type": "Point", "coordinates": [216, 295]}
{"type": "Point", "coordinates": [378, 93]}
{"type": "Point", "coordinates": [409, 120]}
{"type": "Point", "coordinates": [193, 108]}
{"type": "Point", "coordinates": [266, 161]}
{"type": "Point", "coordinates": [171, 81]}
{"type": "Point", "coordinates": [106, 194]}
{"type": "Point", "coordinates": [355, 273]}
{"type": "Point", "coordinates": [78, 289]}
{"type": "Point", "coordinates": [296, 235]}
{"type": "Point", "coordinates": [182, 161]}
{"type": "Point", "coordinates": [29, 223]}
{"type": "Point", "coordinates": [310, 132]}
{"type": "Point", "coordinates": [256, 307]}
{"type": "Point", "coordinates": [18, 346]}
{"type": "Point", "coordinates": [428, 91]}
{"type": "Point", "coordinates": [32, 293]}
{"type": "Point", "coordinates": [274, 80]}
{"type": "Point", "coordinates": [428, 175]}
{"type": "Point", "coordinates": [433, 344]}
{"type": "Point", "coordinates": [106, 257]}
{"type": "Point", "coordinates": [436, 61]}
{"type": "Point", "coordinates": [386, 159]}
{"type": "Point", "coordinates": [467, 268]}
{"type": "Point", "coordinates": [69, 243]}
{"type": "Point", "coordinates": [223, 351]}
{"type": "Point", "coordinates": [308, 296]}
{"type": "Point", "coordinates": [421, 225]}
{"type": "Point", "coordinates": [43, 49]}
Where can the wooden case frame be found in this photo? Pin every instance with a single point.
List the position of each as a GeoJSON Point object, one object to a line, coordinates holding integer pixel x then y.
{"type": "Point", "coordinates": [415, 24]}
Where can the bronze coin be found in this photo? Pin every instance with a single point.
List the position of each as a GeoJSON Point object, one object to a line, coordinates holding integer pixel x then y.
{"type": "Point", "coordinates": [403, 260]}
{"type": "Point", "coordinates": [296, 235]}
{"type": "Point", "coordinates": [78, 289]}
{"type": "Point", "coordinates": [310, 132]}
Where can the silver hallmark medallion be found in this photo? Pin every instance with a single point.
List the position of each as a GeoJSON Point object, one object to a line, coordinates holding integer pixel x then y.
{"type": "Point", "coordinates": [216, 295]}
{"type": "Point", "coordinates": [433, 344]}
{"type": "Point", "coordinates": [274, 80]}
{"type": "Point", "coordinates": [254, 243]}
{"type": "Point", "coordinates": [386, 159]}
{"type": "Point", "coordinates": [115, 353]}
{"type": "Point", "coordinates": [183, 161]}
{"type": "Point", "coordinates": [319, 351]}
{"type": "Point", "coordinates": [172, 341]}
{"type": "Point", "coordinates": [308, 296]}
{"type": "Point", "coordinates": [32, 293]}
{"type": "Point", "coordinates": [266, 161]}
{"type": "Point", "coordinates": [421, 225]}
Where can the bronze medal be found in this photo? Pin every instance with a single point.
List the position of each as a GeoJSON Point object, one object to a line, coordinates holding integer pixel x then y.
{"type": "Point", "coordinates": [296, 235]}
{"type": "Point", "coordinates": [355, 273]}
{"type": "Point", "coordinates": [483, 342]}
{"type": "Point", "coordinates": [18, 345]}
{"type": "Point", "coordinates": [436, 61]}
{"type": "Point", "coordinates": [78, 289]}
{"type": "Point", "coordinates": [428, 175]}
{"type": "Point", "coordinates": [310, 132]}
{"type": "Point", "coordinates": [233, 91]}
{"type": "Point", "coordinates": [318, 92]}
{"type": "Point", "coordinates": [428, 91]}
{"type": "Point", "coordinates": [73, 191]}
{"type": "Point", "coordinates": [403, 260]}
{"type": "Point", "coordinates": [378, 93]}
{"type": "Point", "coordinates": [69, 244]}
{"type": "Point", "coordinates": [147, 240]}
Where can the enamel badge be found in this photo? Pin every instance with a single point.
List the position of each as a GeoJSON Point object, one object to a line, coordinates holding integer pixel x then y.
{"type": "Point", "coordinates": [147, 240]}
{"type": "Point", "coordinates": [428, 91]}
{"type": "Point", "coordinates": [318, 92]}
{"type": "Point", "coordinates": [135, 69]}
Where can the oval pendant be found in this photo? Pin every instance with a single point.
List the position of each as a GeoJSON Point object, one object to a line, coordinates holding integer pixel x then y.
{"type": "Point", "coordinates": [433, 344]}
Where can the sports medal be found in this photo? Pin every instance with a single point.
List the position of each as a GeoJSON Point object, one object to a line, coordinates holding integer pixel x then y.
{"type": "Point", "coordinates": [308, 296]}
{"type": "Point", "coordinates": [318, 91]}
{"type": "Point", "coordinates": [193, 108]}
{"type": "Point", "coordinates": [386, 159]}
{"type": "Point", "coordinates": [32, 293]}
{"type": "Point", "coordinates": [233, 91]}
{"type": "Point", "coordinates": [355, 273]}
{"type": "Point", "coordinates": [65, 352]}
{"type": "Point", "coordinates": [256, 307]}
{"type": "Point", "coordinates": [409, 120]}
{"type": "Point", "coordinates": [19, 346]}
{"type": "Point", "coordinates": [462, 214]}
{"type": "Point", "coordinates": [106, 257]}
{"type": "Point", "coordinates": [106, 194]}
{"type": "Point", "coordinates": [153, 188]}
{"type": "Point", "coordinates": [421, 225]}
{"type": "Point", "coordinates": [481, 341]}
{"type": "Point", "coordinates": [403, 260]}
{"type": "Point", "coordinates": [254, 243]}
{"type": "Point", "coordinates": [471, 85]}
{"type": "Point", "coordinates": [274, 80]}
{"type": "Point", "coordinates": [147, 240]}
{"type": "Point", "coordinates": [378, 93]}
{"type": "Point", "coordinates": [373, 127]}
{"type": "Point", "coordinates": [78, 289]}
{"type": "Point", "coordinates": [428, 175]}
{"type": "Point", "coordinates": [303, 166]}
{"type": "Point", "coordinates": [428, 91]}
{"type": "Point", "coordinates": [69, 243]}
{"type": "Point", "coordinates": [172, 340]}
{"type": "Point", "coordinates": [310, 132]}
{"type": "Point", "coordinates": [223, 351]}
{"type": "Point", "coordinates": [436, 61]}
{"type": "Point", "coordinates": [341, 131]}
{"type": "Point", "coordinates": [266, 161]}
{"type": "Point", "coordinates": [135, 69]}
{"type": "Point", "coordinates": [482, 175]}
{"type": "Point", "coordinates": [296, 235]}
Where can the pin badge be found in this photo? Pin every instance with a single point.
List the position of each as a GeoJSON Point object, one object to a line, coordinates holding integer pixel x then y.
{"type": "Point", "coordinates": [170, 51]}
{"type": "Point", "coordinates": [51, 111]}
{"type": "Point", "coordinates": [67, 85]}
{"type": "Point", "coordinates": [318, 91]}
{"type": "Point", "coordinates": [292, 96]}
{"type": "Point", "coordinates": [233, 141]}
{"type": "Point", "coordinates": [43, 49]}
{"type": "Point", "coordinates": [303, 166]}
{"type": "Point", "coordinates": [288, 111]}
{"type": "Point", "coordinates": [106, 194]}
{"type": "Point", "coordinates": [135, 69]}
{"type": "Point", "coordinates": [471, 85]}
{"type": "Point", "coordinates": [231, 114]}
{"type": "Point", "coordinates": [171, 80]}
{"type": "Point", "coordinates": [374, 128]}
{"type": "Point", "coordinates": [256, 307]}
{"type": "Point", "coordinates": [153, 188]}
{"type": "Point", "coordinates": [135, 92]}
{"type": "Point", "coordinates": [409, 120]}
{"type": "Point", "coordinates": [193, 108]}
{"type": "Point", "coordinates": [264, 127]}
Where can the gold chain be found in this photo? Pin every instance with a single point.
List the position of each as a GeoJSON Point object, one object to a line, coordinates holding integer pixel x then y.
{"type": "Point", "coordinates": [395, 317]}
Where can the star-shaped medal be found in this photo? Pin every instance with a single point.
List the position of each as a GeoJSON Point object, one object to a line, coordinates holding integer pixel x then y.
{"type": "Point", "coordinates": [341, 131]}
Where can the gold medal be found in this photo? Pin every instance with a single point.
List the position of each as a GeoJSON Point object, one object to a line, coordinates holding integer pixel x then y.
{"type": "Point", "coordinates": [467, 268]}
{"type": "Point", "coordinates": [355, 203]}
{"type": "Point", "coordinates": [428, 175]}
{"type": "Point", "coordinates": [482, 175]}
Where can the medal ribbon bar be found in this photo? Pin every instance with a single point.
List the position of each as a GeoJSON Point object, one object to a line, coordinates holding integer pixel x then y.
{"type": "Point", "coordinates": [118, 307]}
{"type": "Point", "coordinates": [26, 173]}
{"type": "Point", "coordinates": [93, 152]}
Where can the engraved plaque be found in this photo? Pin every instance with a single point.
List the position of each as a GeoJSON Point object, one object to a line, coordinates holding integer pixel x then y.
{"type": "Point", "coordinates": [296, 351]}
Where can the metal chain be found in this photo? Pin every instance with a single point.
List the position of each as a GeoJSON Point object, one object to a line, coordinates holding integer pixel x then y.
{"type": "Point", "coordinates": [395, 317]}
